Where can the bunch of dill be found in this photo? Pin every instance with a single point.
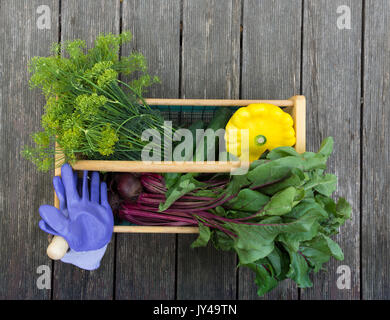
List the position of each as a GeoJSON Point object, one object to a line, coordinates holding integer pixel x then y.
{"type": "Point", "coordinates": [90, 113]}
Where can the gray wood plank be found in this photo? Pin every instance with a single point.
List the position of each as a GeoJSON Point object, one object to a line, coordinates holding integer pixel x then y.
{"type": "Point", "coordinates": [376, 152]}
{"type": "Point", "coordinates": [210, 69]}
{"type": "Point", "coordinates": [85, 20]}
{"type": "Point", "coordinates": [211, 48]}
{"type": "Point", "coordinates": [271, 58]}
{"type": "Point", "coordinates": [331, 83]}
{"type": "Point", "coordinates": [145, 263]}
{"type": "Point", "coordinates": [145, 267]}
{"type": "Point", "coordinates": [72, 283]}
{"type": "Point", "coordinates": [23, 189]}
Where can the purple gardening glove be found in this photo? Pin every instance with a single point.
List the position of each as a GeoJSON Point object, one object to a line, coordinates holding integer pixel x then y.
{"type": "Point", "coordinates": [86, 222]}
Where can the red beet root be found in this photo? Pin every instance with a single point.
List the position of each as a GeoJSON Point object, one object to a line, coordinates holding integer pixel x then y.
{"type": "Point", "coordinates": [128, 186]}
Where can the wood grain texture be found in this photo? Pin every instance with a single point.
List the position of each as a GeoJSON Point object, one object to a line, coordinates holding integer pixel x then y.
{"type": "Point", "coordinates": [155, 229]}
{"type": "Point", "coordinates": [72, 283]}
{"type": "Point", "coordinates": [210, 52]}
{"type": "Point", "coordinates": [271, 51]}
{"type": "Point", "coordinates": [204, 273]}
{"type": "Point", "coordinates": [271, 55]}
{"type": "Point", "coordinates": [145, 267]}
{"type": "Point", "coordinates": [215, 102]}
{"type": "Point", "coordinates": [154, 166]}
{"type": "Point", "coordinates": [331, 83]}
{"type": "Point", "coordinates": [210, 69]}
{"type": "Point", "coordinates": [145, 264]}
{"type": "Point", "coordinates": [376, 152]}
{"type": "Point", "coordinates": [23, 189]}
{"type": "Point", "coordinates": [155, 26]}
{"type": "Point", "coordinates": [86, 20]}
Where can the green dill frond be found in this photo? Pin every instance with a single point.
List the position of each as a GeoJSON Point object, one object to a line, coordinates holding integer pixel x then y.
{"type": "Point", "coordinates": [89, 112]}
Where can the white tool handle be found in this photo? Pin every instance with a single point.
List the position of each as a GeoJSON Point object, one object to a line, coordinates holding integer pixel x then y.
{"type": "Point", "coordinates": [57, 248]}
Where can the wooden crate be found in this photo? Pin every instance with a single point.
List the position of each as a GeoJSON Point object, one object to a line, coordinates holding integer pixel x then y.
{"type": "Point", "coordinates": [296, 106]}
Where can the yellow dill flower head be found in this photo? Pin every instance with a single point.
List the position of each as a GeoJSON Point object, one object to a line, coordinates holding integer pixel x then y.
{"type": "Point", "coordinates": [107, 142]}
{"type": "Point", "coordinates": [71, 139]}
{"type": "Point", "coordinates": [88, 104]}
{"type": "Point", "coordinates": [99, 67]}
{"type": "Point", "coordinates": [107, 77]}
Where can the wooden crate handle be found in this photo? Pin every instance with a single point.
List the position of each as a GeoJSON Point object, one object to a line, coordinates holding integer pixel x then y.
{"type": "Point", "coordinates": [57, 248]}
{"type": "Point", "coordinates": [215, 102]}
{"type": "Point", "coordinates": [299, 115]}
{"type": "Point", "coordinates": [58, 245]}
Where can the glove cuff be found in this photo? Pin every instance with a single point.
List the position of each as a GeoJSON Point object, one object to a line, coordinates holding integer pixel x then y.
{"type": "Point", "coordinates": [87, 260]}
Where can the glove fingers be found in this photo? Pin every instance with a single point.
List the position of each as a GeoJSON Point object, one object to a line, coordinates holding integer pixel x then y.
{"type": "Point", "coordinates": [103, 196]}
{"type": "Point", "coordinates": [54, 218]}
{"type": "Point", "coordinates": [108, 216]}
{"type": "Point", "coordinates": [76, 183]}
{"type": "Point", "coordinates": [60, 191]}
{"type": "Point", "coordinates": [46, 228]}
{"type": "Point", "coordinates": [85, 192]}
{"type": "Point", "coordinates": [95, 183]}
{"type": "Point", "coordinates": [68, 180]}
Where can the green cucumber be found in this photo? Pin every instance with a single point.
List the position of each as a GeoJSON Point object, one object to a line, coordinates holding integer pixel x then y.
{"type": "Point", "coordinates": [210, 148]}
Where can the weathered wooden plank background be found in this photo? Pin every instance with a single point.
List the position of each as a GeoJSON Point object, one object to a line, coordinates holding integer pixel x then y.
{"type": "Point", "coordinates": [376, 152]}
{"type": "Point", "coordinates": [103, 17]}
{"type": "Point", "coordinates": [331, 73]}
{"type": "Point", "coordinates": [139, 274]}
{"type": "Point", "coordinates": [271, 32]}
{"type": "Point", "coordinates": [210, 69]}
{"type": "Point", "coordinates": [22, 188]}
{"type": "Point", "coordinates": [209, 49]}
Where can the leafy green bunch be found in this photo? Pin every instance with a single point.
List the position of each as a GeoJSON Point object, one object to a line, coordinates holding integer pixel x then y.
{"type": "Point", "coordinates": [279, 217]}
{"type": "Point", "coordinates": [89, 112]}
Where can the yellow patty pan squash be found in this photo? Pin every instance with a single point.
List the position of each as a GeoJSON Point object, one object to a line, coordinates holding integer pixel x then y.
{"type": "Point", "coordinates": [268, 127]}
